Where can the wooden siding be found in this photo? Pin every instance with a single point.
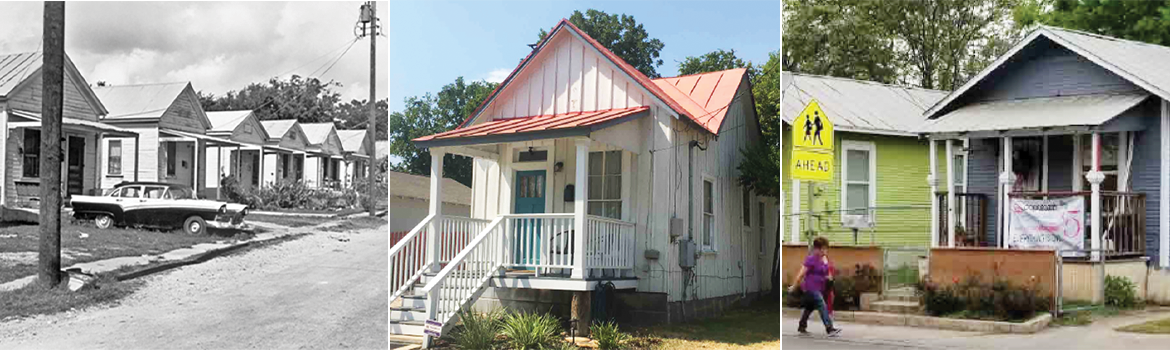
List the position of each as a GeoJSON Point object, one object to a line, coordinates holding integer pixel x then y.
{"type": "Point", "coordinates": [983, 177]}
{"type": "Point", "coordinates": [1146, 171]}
{"type": "Point", "coordinates": [15, 161]}
{"type": "Point", "coordinates": [28, 98]}
{"type": "Point", "coordinates": [184, 114]}
{"type": "Point", "coordinates": [566, 76]}
{"type": "Point", "coordinates": [294, 138]}
{"type": "Point", "coordinates": [332, 144]}
{"type": "Point", "coordinates": [148, 156]}
{"type": "Point", "coordinates": [1054, 71]}
{"type": "Point", "coordinates": [249, 131]}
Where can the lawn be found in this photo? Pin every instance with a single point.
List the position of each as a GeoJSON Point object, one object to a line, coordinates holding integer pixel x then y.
{"type": "Point", "coordinates": [84, 243]}
{"type": "Point", "coordinates": [35, 299]}
{"type": "Point", "coordinates": [1083, 317]}
{"type": "Point", "coordinates": [1152, 327]}
{"type": "Point", "coordinates": [754, 327]}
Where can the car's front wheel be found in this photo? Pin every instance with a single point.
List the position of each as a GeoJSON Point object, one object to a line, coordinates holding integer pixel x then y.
{"type": "Point", "coordinates": [195, 225]}
{"type": "Point", "coordinates": [103, 221]}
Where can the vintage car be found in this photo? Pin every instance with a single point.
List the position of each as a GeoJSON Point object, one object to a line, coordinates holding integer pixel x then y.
{"type": "Point", "coordinates": [157, 204]}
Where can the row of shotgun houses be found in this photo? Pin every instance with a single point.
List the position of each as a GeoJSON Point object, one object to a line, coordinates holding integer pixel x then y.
{"type": "Point", "coordinates": [1061, 114]}
{"type": "Point", "coordinates": [158, 132]}
{"type": "Point", "coordinates": [589, 174]}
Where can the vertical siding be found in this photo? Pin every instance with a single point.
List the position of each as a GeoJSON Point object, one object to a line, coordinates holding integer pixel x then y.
{"type": "Point", "coordinates": [1146, 172]}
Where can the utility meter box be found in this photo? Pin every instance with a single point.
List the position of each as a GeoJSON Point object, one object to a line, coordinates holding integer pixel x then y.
{"type": "Point", "coordinates": [686, 253]}
{"type": "Point", "coordinates": [676, 228]}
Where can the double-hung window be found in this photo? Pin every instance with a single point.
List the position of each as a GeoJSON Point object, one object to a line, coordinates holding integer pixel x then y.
{"type": "Point", "coordinates": [605, 184]}
{"type": "Point", "coordinates": [114, 159]}
{"type": "Point", "coordinates": [858, 183]}
{"type": "Point", "coordinates": [708, 215]}
{"type": "Point", "coordinates": [31, 160]}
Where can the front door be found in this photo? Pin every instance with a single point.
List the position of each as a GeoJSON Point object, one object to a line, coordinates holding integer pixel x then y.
{"type": "Point", "coordinates": [529, 199]}
{"type": "Point", "coordinates": [76, 164]}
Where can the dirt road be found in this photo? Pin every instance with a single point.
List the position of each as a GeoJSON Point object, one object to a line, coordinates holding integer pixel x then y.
{"type": "Point", "coordinates": [317, 292]}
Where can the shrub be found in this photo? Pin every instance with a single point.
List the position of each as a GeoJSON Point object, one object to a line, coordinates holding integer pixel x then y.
{"type": "Point", "coordinates": [938, 300]}
{"type": "Point", "coordinates": [607, 335]}
{"type": "Point", "coordinates": [867, 279]}
{"type": "Point", "coordinates": [479, 329]}
{"type": "Point", "coordinates": [999, 299]}
{"type": "Point", "coordinates": [846, 296]}
{"type": "Point", "coordinates": [792, 299]}
{"type": "Point", "coordinates": [1120, 292]}
{"type": "Point", "coordinates": [530, 330]}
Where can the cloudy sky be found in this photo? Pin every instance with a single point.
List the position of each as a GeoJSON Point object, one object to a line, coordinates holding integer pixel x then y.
{"type": "Point", "coordinates": [217, 46]}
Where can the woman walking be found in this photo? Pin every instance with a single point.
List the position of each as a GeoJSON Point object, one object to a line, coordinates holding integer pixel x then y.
{"type": "Point", "coordinates": [812, 279]}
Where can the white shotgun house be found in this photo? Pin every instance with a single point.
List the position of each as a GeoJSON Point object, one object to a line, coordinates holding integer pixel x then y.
{"type": "Point", "coordinates": [587, 174]}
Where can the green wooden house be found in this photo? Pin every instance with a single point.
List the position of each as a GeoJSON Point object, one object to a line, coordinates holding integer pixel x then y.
{"type": "Point", "coordinates": [877, 147]}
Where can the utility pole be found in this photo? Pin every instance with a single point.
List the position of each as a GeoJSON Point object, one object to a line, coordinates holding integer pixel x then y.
{"type": "Point", "coordinates": [369, 21]}
{"type": "Point", "coordinates": [52, 81]}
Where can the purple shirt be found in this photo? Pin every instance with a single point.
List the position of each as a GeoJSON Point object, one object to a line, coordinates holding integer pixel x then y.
{"type": "Point", "coordinates": [816, 274]}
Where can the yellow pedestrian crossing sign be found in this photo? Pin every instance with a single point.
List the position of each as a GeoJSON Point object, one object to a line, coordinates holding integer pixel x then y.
{"type": "Point", "coordinates": [812, 145]}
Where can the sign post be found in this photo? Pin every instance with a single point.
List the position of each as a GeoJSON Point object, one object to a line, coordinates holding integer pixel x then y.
{"type": "Point", "coordinates": [811, 159]}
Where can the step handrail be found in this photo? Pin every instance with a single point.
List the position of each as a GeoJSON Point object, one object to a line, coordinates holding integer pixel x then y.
{"type": "Point", "coordinates": [398, 247]}
{"type": "Point", "coordinates": [434, 288]}
{"type": "Point", "coordinates": [442, 275]}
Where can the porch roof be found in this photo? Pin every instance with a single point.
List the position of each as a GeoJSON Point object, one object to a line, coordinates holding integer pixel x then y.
{"type": "Point", "coordinates": [35, 118]}
{"type": "Point", "coordinates": [212, 140]}
{"type": "Point", "coordinates": [534, 127]}
{"type": "Point", "coordinates": [1046, 112]}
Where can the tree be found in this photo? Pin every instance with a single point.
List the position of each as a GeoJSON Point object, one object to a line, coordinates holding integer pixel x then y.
{"type": "Point", "coordinates": [713, 61]}
{"type": "Point", "coordinates": [1147, 21]}
{"type": "Point", "coordinates": [768, 93]}
{"type": "Point", "coordinates": [308, 100]}
{"type": "Point", "coordinates": [355, 115]}
{"type": "Point", "coordinates": [760, 172]}
{"type": "Point", "coordinates": [431, 114]}
{"type": "Point", "coordinates": [835, 38]}
{"type": "Point", "coordinates": [622, 35]}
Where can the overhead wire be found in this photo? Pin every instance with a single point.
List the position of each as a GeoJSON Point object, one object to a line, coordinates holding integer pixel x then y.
{"type": "Point", "coordinates": [339, 57]}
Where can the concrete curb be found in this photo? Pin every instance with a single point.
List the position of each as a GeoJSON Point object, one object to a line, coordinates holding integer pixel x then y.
{"type": "Point", "coordinates": [1033, 325]}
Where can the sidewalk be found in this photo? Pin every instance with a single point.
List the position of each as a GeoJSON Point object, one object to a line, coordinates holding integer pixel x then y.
{"type": "Point", "coordinates": [1099, 335]}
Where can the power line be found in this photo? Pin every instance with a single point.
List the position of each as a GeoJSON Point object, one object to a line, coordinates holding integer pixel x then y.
{"type": "Point", "coordinates": [350, 43]}
{"type": "Point", "coordinates": [338, 59]}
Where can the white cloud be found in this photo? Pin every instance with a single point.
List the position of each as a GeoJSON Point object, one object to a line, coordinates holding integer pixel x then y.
{"type": "Point", "coordinates": [498, 75]}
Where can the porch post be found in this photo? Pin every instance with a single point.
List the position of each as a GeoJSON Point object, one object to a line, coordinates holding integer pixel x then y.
{"type": "Point", "coordinates": [579, 202]}
{"type": "Point", "coordinates": [950, 193]}
{"type": "Point", "coordinates": [1164, 189]}
{"type": "Point", "coordinates": [218, 174]}
{"type": "Point", "coordinates": [136, 142]}
{"type": "Point", "coordinates": [436, 209]}
{"type": "Point", "coordinates": [1095, 176]}
{"type": "Point", "coordinates": [932, 180]}
{"type": "Point", "coordinates": [1006, 179]}
{"type": "Point", "coordinates": [260, 164]}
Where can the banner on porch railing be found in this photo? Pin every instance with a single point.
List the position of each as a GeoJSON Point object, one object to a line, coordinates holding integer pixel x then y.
{"type": "Point", "coordinates": [1057, 223]}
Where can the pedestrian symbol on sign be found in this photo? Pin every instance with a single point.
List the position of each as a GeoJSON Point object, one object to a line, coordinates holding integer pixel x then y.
{"type": "Point", "coordinates": [812, 129]}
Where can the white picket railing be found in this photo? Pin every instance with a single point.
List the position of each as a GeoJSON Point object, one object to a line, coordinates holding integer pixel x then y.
{"type": "Point", "coordinates": [539, 241]}
{"type": "Point", "coordinates": [457, 232]}
{"type": "Point", "coordinates": [408, 258]}
{"type": "Point", "coordinates": [609, 243]}
{"type": "Point", "coordinates": [466, 273]}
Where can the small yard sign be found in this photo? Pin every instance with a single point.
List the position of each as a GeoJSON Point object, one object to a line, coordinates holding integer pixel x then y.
{"type": "Point", "coordinates": [812, 145]}
{"type": "Point", "coordinates": [434, 328]}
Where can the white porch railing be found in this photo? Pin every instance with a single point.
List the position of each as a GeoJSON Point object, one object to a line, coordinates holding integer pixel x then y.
{"type": "Point", "coordinates": [408, 260]}
{"type": "Point", "coordinates": [609, 243]}
{"type": "Point", "coordinates": [457, 233]}
{"type": "Point", "coordinates": [539, 241]}
{"type": "Point", "coordinates": [466, 273]}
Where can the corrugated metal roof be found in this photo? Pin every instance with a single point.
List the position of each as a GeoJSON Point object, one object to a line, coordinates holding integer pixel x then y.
{"type": "Point", "coordinates": [1078, 110]}
{"type": "Point", "coordinates": [227, 120]}
{"type": "Point", "coordinates": [316, 133]}
{"type": "Point", "coordinates": [859, 106]}
{"type": "Point", "coordinates": [419, 187]}
{"type": "Point", "coordinates": [351, 140]}
{"type": "Point", "coordinates": [139, 101]}
{"type": "Point", "coordinates": [537, 123]}
{"type": "Point", "coordinates": [705, 96]}
{"type": "Point", "coordinates": [277, 128]}
{"type": "Point", "coordinates": [15, 67]}
{"type": "Point", "coordinates": [113, 130]}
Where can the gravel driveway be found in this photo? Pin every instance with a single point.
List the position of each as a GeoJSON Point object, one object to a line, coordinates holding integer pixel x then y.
{"type": "Point", "coordinates": [317, 292]}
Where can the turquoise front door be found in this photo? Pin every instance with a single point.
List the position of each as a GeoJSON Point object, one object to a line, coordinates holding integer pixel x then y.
{"type": "Point", "coordinates": [529, 199]}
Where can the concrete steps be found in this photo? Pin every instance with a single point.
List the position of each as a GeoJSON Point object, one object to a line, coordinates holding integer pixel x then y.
{"type": "Point", "coordinates": [897, 307]}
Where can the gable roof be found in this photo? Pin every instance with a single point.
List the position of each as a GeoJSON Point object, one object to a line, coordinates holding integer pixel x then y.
{"type": "Point", "coordinates": [227, 120]}
{"type": "Point", "coordinates": [1140, 63]}
{"type": "Point", "coordinates": [277, 128]}
{"type": "Point", "coordinates": [352, 140]}
{"type": "Point", "coordinates": [565, 26]}
{"type": "Point", "coordinates": [16, 69]}
{"type": "Point", "coordinates": [705, 96]}
{"type": "Point", "coordinates": [316, 133]}
{"type": "Point", "coordinates": [418, 187]}
{"type": "Point", "coordinates": [139, 100]}
{"type": "Point", "coordinates": [857, 105]}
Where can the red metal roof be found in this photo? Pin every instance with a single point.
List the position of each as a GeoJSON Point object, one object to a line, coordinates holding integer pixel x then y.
{"type": "Point", "coordinates": [705, 96]}
{"type": "Point", "coordinates": [537, 123]}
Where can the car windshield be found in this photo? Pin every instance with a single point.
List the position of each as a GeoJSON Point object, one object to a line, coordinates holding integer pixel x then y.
{"type": "Point", "coordinates": [180, 192]}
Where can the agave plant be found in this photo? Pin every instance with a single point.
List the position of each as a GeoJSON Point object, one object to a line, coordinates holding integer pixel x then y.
{"type": "Point", "coordinates": [531, 331]}
{"type": "Point", "coordinates": [479, 329]}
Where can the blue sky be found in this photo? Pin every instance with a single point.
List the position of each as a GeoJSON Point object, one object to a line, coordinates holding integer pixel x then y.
{"type": "Point", "coordinates": [433, 42]}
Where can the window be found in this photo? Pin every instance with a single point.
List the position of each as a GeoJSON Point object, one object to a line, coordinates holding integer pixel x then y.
{"type": "Point", "coordinates": [300, 167]}
{"type": "Point", "coordinates": [155, 192]}
{"type": "Point", "coordinates": [32, 153]}
{"type": "Point", "coordinates": [179, 192]}
{"type": "Point", "coordinates": [1110, 147]}
{"type": "Point", "coordinates": [284, 164]}
{"type": "Point", "coordinates": [960, 168]}
{"type": "Point", "coordinates": [708, 215]}
{"type": "Point", "coordinates": [605, 184]}
{"type": "Point", "coordinates": [532, 156]}
{"type": "Point", "coordinates": [760, 224]}
{"type": "Point", "coordinates": [130, 192]}
{"type": "Point", "coordinates": [859, 165]}
{"type": "Point", "coordinates": [171, 157]}
{"type": "Point", "coordinates": [747, 207]}
{"type": "Point", "coordinates": [114, 158]}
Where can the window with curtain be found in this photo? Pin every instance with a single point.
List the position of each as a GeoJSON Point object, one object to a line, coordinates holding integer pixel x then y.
{"type": "Point", "coordinates": [708, 215]}
{"type": "Point", "coordinates": [31, 162]}
{"type": "Point", "coordinates": [605, 184]}
{"type": "Point", "coordinates": [114, 158]}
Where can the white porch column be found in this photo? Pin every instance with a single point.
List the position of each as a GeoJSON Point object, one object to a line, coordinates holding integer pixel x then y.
{"type": "Point", "coordinates": [1095, 176]}
{"type": "Point", "coordinates": [1006, 179]}
{"type": "Point", "coordinates": [932, 180]}
{"type": "Point", "coordinates": [579, 206]}
{"type": "Point", "coordinates": [436, 208]}
{"type": "Point", "coordinates": [794, 217]}
{"type": "Point", "coordinates": [1164, 189]}
{"type": "Point", "coordinates": [950, 193]}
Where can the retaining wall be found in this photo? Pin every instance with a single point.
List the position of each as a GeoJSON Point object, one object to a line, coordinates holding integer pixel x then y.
{"type": "Point", "coordinates": [844, 258]}
{"type": "Point", "coordinates": [1019, 266]}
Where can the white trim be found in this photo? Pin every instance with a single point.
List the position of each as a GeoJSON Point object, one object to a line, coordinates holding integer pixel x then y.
{"type": "Point", "coordinates": [712, 246]}
{"type": "Point", "coordinates": [950, 154]}
{"type": "Point", "coordinates": [1044, 165]}
{"type": "Point", "coordinates": [932, 181]}
{"type": "Point", "coordinates": [106, 157]}
{"type": "Point", "coordinates": [868, 146]}
{"type": "Point", "coordinates": [574, 284]}
{"type": "Point", "coordinates": [982, 74]}
{"type": "Point", "coordinates": [744, 192]}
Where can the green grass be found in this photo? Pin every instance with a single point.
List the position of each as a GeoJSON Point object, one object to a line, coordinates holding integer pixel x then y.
{"type": "Point", "coordinates": [1153, 327]}
{"type": "Point", "coordinates": [754, 327]}
{"type": "Point", "coordinates": [1083, 317]}
{"type": "Point", "coordinates": [36, 299]}
{"type": "Point", "coordinates": [19, 244]}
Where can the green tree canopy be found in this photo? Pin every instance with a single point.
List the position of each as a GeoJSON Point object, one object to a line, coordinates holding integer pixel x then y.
{"type": "Point", "coordinates": [307, 100]}
{"type": "Point", "coordinates": [355, 114]}
{"type": "Point", "coordinates": [1147, 21]}
{"type": "Point", "coordinates": [431, 114]}
{"type": "Point", "coordinates": [712, 62]}
{"type": "Point", "coordinates": [622, 35]}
